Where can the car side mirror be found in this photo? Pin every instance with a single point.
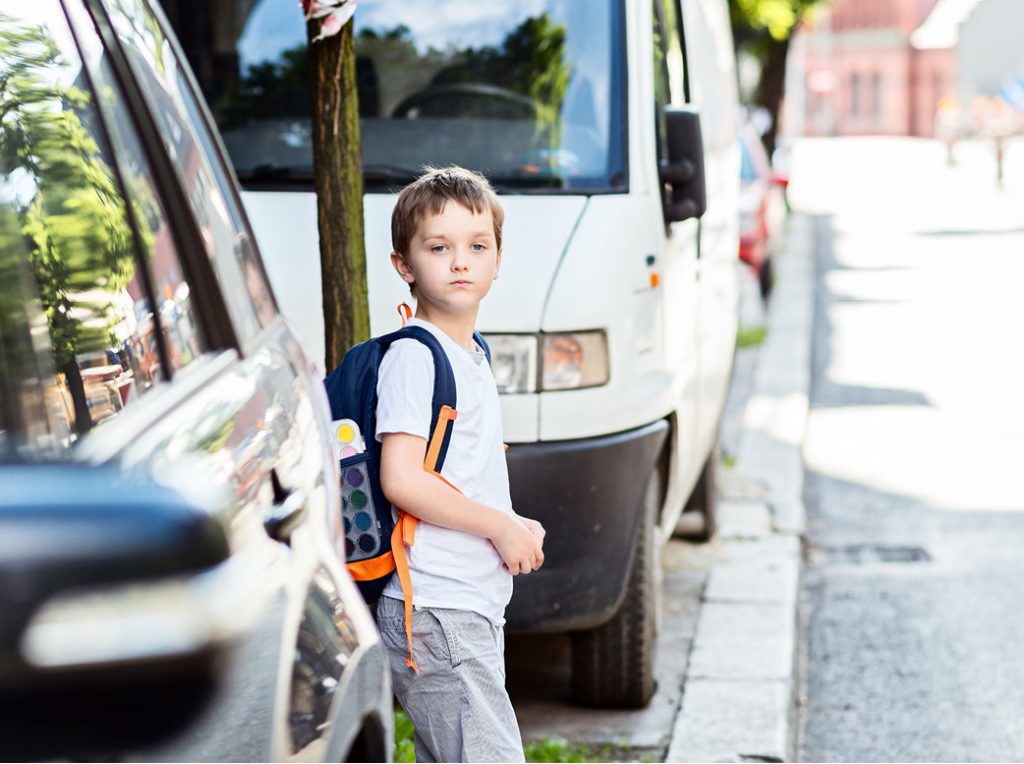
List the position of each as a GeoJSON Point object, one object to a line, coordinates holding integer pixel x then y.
{"type": "Point", "coordinates": [683, 171]}
{"type": "Point", "coordinates": [105, 609]}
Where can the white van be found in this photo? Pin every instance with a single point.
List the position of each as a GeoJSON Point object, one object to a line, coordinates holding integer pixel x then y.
{"type": "Point", "coordinates": [614, 320]}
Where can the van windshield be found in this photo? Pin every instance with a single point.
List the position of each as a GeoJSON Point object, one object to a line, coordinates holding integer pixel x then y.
{"type": "Point", "coordinates": [531, 93]}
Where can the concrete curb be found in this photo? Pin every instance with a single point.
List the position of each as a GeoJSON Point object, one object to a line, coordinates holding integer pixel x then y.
{"type": "Point", "coordinates": [739, 692]}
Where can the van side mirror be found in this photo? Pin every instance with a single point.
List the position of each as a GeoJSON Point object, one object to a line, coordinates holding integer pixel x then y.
{"type": "Point", "coordinates": [684, 168]}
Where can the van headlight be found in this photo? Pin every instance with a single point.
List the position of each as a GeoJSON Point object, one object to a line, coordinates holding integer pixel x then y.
{"type": "Point", "coordinates": [574, 360]}
{"type": "Point", "coordinates": [566, 360]}
{"type": "Point", "coordinates": [514, 362]}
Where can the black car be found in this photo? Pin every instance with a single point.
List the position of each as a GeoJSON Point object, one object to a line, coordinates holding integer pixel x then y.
{"type": "Point", "coordinates": [172, 583]}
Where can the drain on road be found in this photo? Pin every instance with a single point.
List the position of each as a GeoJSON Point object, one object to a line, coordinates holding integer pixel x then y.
{"type": "Point", "coordinates": [861, 554]}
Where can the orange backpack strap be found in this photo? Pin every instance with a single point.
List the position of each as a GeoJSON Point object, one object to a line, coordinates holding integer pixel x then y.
{"type": "Point", "coordinates": [405, 312]}
{"type": "Point", "coordinates": [405, 529]}
{"type": "Point", "coordinates": [446, 415]}
{"type": "Point", "coordinates": [372, 568]}
{"type": "Point", "coordinates": [405, 535]}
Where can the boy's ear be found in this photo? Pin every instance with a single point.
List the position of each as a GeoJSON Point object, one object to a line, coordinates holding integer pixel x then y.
{"type": "Point", "coordinates": [497, 263]}
{"type": "Point", "coordinates": [402, 267]}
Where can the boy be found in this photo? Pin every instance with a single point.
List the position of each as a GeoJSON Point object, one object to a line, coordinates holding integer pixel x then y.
{"type": "Point", "coordinates": [446, 234]}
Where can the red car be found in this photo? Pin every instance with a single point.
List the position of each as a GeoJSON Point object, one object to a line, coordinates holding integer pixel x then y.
{"type": "Point", "coordinates": [762, 207]}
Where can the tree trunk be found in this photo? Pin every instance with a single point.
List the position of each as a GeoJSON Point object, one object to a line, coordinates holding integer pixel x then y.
{"type": "Point", "coordinates": [338, 174]}
{"type": "Point", "coordinates": [76, 386]}
{"type": "Point", "coordinates": [772, 85]}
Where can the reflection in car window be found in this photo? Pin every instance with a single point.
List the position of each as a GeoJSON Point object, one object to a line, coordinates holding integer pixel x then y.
{"type": "Point", "coordinates": [528, 92]}
{"type": "Point", "coordinates": [78, 336]}
{"type": "Point", "coordinates": [662, 81]}
{"type": "Point", "coordinates": [173, 295]}
{"type": "Point", "coordinates": [228, 243]}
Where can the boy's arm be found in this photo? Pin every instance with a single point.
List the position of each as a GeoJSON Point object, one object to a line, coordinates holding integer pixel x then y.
{"type": "Point", "coordinates": [407, 485]}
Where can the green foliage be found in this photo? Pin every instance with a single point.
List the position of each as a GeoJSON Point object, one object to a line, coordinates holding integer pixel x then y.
{"type": "Point", "coordinates": [776, 17]}
{"type": "Point", "coordinates": [72, 216]}
{"type": "Point", "coordinates": [547, 750]}
{"type": "Point", "coordinates": [751, 336]}
{"type": "Point", "coordinates": [269, 89]}
{"type": "Point", "coordinates": [554, 749]}
{"type": "Point", "coordinates": [405, 750]}
{"type": "Point", "coordinates": [559, 749]}
{"type": "Point", "coordinates": [530, 61]}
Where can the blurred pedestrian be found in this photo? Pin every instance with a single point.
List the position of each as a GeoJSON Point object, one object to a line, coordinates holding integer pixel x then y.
{"type": "Point", "coordinates": [947, 125]}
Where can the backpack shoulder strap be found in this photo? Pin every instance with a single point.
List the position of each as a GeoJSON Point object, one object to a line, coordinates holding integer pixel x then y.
{"type": "Point", "coordinates": [444, 401]}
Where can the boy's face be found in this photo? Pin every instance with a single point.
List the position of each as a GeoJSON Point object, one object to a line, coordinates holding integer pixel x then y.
{"type": "Point", "coordinates": [453, 259]}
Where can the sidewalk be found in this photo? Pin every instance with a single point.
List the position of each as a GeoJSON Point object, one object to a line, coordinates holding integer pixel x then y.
{"type": "Point", "coordinates": [725, 655]}
{"type": "Point", "coordinates": [741, 679]}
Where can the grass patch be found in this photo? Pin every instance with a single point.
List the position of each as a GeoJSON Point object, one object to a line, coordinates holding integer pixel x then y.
{"type": "Point", "coordinates": [561, 750]}
{"type": "Point", "coordinates": [728, 460]}
{"type": "Point", "coordinates": [750, 336]}
{"type": "Point", "coordinates": [405, 750]}
{"type": "Point", "coordinates": [554, 749]}
{"type": "Point", "coordinates": [548, 750]}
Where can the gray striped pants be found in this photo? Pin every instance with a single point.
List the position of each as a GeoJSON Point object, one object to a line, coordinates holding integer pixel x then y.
{"type": "Point", "coordinates": [457, 702]}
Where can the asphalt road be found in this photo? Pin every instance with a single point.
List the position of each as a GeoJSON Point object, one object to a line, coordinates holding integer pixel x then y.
{"type": "Point", "coordinates": [912, 594]}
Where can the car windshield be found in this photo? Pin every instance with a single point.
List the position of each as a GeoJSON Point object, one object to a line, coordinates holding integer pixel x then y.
{"type": "Point", "coordinates": [530, 93]}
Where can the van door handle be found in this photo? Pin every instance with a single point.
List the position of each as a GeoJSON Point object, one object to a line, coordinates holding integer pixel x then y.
{"type": "Point", "coordinates": [285, 515]}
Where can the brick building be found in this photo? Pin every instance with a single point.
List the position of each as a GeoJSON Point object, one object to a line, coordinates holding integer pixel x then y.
{"type": "Point", "coordinates": [864, 76]}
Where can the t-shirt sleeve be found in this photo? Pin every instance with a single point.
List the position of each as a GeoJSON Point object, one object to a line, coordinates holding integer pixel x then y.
{"type": "Point", "coordinates": [405, 388]}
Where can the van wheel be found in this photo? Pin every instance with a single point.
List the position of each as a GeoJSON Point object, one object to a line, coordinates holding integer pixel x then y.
{"type": "Point", "coordinates": [699, 518]}
{"type": "Point", "coordinates": [613, 664]}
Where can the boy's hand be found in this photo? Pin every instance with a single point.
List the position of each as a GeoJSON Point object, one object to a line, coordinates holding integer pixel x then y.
{"type": "Point", "coordinates": [518, 546]}
{"type": "Point", "coordinates": [535, 528]}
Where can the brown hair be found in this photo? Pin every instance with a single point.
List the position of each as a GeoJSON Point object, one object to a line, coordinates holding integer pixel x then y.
{"type": "Point", "coordinates": [431, 191]}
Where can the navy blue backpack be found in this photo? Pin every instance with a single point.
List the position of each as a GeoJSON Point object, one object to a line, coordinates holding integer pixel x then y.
{"type": "Point", "coordinates": [374, 541]}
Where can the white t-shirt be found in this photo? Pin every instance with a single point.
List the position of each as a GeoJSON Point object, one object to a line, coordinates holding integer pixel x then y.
{"type": "Point", "coordinates": [449, 568]}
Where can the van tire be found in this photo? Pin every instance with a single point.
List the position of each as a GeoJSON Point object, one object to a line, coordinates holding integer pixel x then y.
{"type": "Point", "coordinates": [699, 519]}
{"type": "Point", "coordinates": [613, 664]}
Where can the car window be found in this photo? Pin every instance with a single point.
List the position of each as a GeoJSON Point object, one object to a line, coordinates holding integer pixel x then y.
{"type": "Point", "coordinates": [669, 70]}
{"type": "Point", "coordinates": [667, 12]}
{"type": "Point", "coordinates": [173, 295]}
{"type": "Point", "coordinates": [193, 150]}
{"type": "Point", "coordinates": [84, 330]}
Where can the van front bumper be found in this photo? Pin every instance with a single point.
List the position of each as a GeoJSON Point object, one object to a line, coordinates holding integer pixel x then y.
{"type": "Point", "coordinates": [588, 494]}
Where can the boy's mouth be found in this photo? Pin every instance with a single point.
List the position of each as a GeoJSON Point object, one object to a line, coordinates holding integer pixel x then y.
{"type": "Point", "coordinates": [461, 282]}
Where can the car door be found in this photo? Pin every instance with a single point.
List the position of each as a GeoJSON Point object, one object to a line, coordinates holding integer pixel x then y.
{"type": "Point", "coordinates": [239, 407]}
{"type": "Point", "coordinates": [113, 358]}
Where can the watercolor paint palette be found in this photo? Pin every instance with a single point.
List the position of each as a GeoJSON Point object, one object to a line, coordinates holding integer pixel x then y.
{"type": "Point", "coordinates": [362, 526]}
{"type": "Point", "coordinates": [348, 440]}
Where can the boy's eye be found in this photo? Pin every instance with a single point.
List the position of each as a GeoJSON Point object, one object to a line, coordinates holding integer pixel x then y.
{"type": "Point", "coordinates": [479, 247]}
{"type": "Point", "coordinates": [438, 248]}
